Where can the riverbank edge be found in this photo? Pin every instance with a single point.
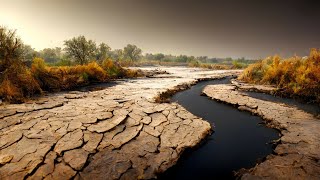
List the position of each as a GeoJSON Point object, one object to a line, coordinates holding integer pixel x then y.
{"type": "Point", "coordinates": [283, 146]}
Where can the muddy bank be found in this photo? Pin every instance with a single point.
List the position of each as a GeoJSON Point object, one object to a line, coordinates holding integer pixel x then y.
{"type": "Point", "coordinates": [119, 131]}
{"type": "Point", "coordinates": [297, 155]}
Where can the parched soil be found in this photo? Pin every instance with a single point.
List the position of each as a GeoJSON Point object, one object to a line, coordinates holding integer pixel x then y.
{"type": "Point", "coordinates": [116, 133]}
{"type": "Point", "coordinates": [297, 156]}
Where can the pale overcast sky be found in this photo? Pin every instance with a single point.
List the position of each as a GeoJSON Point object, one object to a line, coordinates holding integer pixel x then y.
{"type": "Point", "coordinates": [216, 28]}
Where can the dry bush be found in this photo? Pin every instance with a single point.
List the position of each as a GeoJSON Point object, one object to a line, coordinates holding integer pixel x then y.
{"type": "Point", "coordinates": [17, 83]}
{"type": "Point", "coordinates": [48, 80]}
{"type": "Point", "coordinates": [94, 72]}
{"type": "Point", "coordinates": [294, 76]}
{"type": "Point", "coordinates": [114, 70]}
{"type": "Point", "coordinates": [73, 76]}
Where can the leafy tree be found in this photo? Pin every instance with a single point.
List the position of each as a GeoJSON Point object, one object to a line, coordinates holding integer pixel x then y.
{"type": "Point", "coordinates": [159, 56]}
{"type": "Point", "coordinates": [51, 55]}
{"type": "Point", "coordinates": [103, 52]}
{"type": "Point", "coordinates": [11, 47]}
{"type": "Point", "coordinates": [28, 53]}
{"type": "Point", "coordinates": [182, 58]}
{"type": "Point", "coordinates": [203, 59]}
{"type": "Point", "coordinates": [80, 48]}
{"type": "Point", "coordinates": [132, 52]}
{"type": "Point", "coordinates": [117, 54]}
{"type": "Point", "coordinates": [149, 56]}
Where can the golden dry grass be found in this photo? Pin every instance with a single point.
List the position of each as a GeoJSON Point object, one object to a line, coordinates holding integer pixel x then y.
{"type": "Point", "coordinates": [19, 82]}
{"type": "Point", "coordinates": [295, 76]}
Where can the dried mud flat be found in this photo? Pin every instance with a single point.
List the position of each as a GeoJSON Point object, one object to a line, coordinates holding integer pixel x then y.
{"type": "Point", "coordinates": [115, 133]}
{"type": "Point", "coordinates": [297, 156]}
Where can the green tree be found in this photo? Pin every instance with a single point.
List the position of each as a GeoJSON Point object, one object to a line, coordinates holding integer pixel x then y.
{"type": "Point", "coordinates": [203, 59]}
{"type": "Point", "coordinates": [51, 55]}
{"type": "Point", "coordinates": [28, 53]}
{"type": "Point", "coordinates": [182, 58]}
{"type": "Point", "coordinates": [103, 52]}
{"type": "Point", "coordinates": [80, 49]}
{"type": "Point", "coordinates": [132, 52]}
{"type": "Point", "coordinates": [159, 56]}
{"type": "Point", "coordinates": [117, 54]}
{"type": "Point", "coordinates": [11, 47]}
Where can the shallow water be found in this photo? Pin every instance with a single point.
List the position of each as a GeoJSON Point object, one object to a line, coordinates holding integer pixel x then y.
{"type": "Point", "coordinates": [238, 140]}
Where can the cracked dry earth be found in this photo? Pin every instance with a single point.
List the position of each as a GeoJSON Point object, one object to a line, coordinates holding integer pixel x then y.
{"type": "Point", "coordinates": [115, 133]}
{"type": "Point", "coordinates": [297, 156]}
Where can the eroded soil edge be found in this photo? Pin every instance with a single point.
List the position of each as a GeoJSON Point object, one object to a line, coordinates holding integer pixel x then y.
{"type": "Point", "coordinates": [297, 155]}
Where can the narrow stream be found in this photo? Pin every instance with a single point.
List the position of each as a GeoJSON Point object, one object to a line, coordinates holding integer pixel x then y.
{"type": "Point", "coordinates": [238, 140]}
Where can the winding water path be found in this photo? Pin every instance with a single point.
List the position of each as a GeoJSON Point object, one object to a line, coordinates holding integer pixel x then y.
{"type": "Point", "coordinates": [238, 141]}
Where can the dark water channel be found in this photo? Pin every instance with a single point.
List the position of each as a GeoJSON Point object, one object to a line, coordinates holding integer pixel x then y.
{"type": "Point", "coordinates": [238, 141]}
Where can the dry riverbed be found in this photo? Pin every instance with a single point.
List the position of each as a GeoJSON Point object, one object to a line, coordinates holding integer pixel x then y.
{"type": "Point", "coordinates": [297, 156]}
{"type": "Point", "coordinates": [115, 133]}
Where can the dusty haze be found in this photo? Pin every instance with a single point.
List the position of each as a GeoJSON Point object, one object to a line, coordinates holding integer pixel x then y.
{"type": "Point", "coordinates": [252, 29]}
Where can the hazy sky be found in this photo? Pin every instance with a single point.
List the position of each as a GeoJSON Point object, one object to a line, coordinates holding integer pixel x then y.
{"type": "Point", "coordinates": [216, 28]}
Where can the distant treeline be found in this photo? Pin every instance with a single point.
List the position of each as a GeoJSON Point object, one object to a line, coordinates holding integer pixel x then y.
{"type": "Point", "coordinates": [70, 54]}
{"type": "Point", "coordinates": [200, 59]}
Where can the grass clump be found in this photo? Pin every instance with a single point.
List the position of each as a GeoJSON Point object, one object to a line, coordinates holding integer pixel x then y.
{"type": "Point", "coordinates": [17, 83]}
{"type": "Point", "coordinates": [294, 76]}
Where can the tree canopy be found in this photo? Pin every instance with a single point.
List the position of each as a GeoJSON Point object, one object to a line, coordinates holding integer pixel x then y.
{"type": "Point", "coordinates": [132, 52]}
{"type": "Point", "coordinates": [80, 49]}
{"type": "Point", "coordinates": [11, 46]}
{"type": "Point", "coordinates": [103, 52]}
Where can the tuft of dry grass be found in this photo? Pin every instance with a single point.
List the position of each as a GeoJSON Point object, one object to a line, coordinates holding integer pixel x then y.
{"type": "Point", "coordinates": [17, 83]}
{"type": "Point", "coordinates": [295, 76]}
